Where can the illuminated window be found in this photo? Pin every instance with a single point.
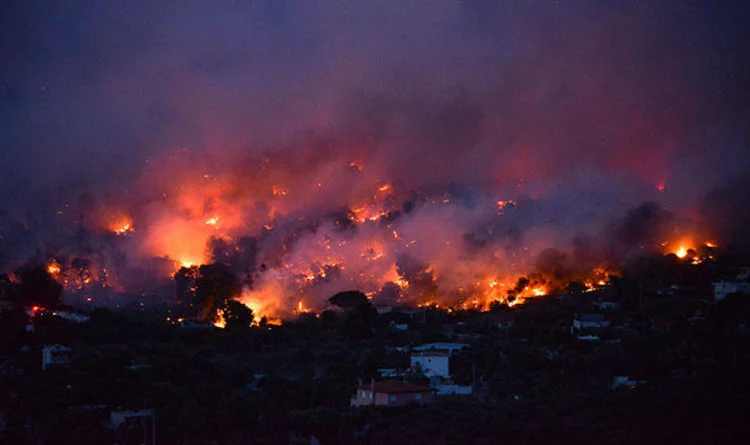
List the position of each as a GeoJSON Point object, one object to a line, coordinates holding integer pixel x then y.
{"type": "Point", "coordinates": [391, 398]}
{"type": "Point", "coordinates": [418, 396]}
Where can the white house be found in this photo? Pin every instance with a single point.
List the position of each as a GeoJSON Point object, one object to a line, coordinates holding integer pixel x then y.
{"type": "Point", "coordinates": [625, 382]}
{"type": "Point", "coordinates": [72, 316]}
{"type": "Point", "coordinates": [55, 355]}
{"type": "Point", "coordinates": [432, 364]}
{"type": "Point", "coordinates": [606, 305]}
{"type": "Point", "coordinates": [587, 322]}
{"type": "Point", "coordinates": [724, 288]}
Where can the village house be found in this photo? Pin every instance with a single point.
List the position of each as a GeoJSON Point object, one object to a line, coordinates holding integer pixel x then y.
{"type": "Point", "coordinates": [606, 305]}
{"type": "Point", "coordinates": [449, 348]}
{"type": "Point", "coordinates": [585, 322]}
{"type": "Point", "coordinates": [625, 382]}
{"type": "Point", "coordinates": [55, 355]}
{"type": "Point", "coordinates": [432, 364]}
{"type": "Point", "coordinates": [723, 288]}
{"type": "Point", "coordinates": [392, 393]}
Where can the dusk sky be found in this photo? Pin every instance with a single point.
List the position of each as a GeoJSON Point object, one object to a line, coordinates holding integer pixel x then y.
{"type": "Point", "coordinates": [588, 107]}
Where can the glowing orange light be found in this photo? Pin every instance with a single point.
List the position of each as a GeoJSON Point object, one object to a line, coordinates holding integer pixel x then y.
{"type": "Point", "coordinates": [220, 322]}
{"type": "Point", "coordinates": [53, 268]}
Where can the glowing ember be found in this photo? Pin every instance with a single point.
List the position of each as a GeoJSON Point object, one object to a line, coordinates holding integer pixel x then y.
{"type": "Point", "coordinates": [681, 252]}
{"type": "Point", "coordinates": [54, 268]}
{"type": "Point", "coordinates": [122, 229]}
{"type": "Point", "coordinates": [220, 322]}
{"type": "Point", "coordinates": [214, 220]}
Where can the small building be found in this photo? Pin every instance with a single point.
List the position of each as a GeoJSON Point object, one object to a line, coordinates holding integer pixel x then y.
{"type": "Point", "coordinates": [75, 317]}
{"type": "Point", "coordinates": [392, 393]}
{"type": "Point", "coordinates": [55, 355]}
{"type": "Point", "coordinates": [625, 382]}
{"type": "Point", "coordinates": [606, 305]}
{"type": "Point", "coordinates": [450, 348]}
{"type": "Point", "coordinates": [588, 338]}
{"type": "Point", "coordinates": [723, 288]}
{"type": "Point", "coordinates": [588, 322]}
{"type": "Point", "coordinates": [432, 364]}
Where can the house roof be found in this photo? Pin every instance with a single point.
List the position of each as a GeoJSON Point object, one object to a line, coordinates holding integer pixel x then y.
{"type": "Point", "coordinates": [430, 354]}
{"type": "Point", "coordinates": [440, 346]}
{"type": "Point", "coordinates": [395, 387]}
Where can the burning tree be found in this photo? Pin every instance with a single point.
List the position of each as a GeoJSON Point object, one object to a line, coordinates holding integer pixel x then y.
{"type": "Point", "coordinates": [207, 288]}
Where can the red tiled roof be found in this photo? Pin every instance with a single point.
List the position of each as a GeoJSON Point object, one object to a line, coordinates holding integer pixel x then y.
{"type": "Point", "coordinates": [395, 387]}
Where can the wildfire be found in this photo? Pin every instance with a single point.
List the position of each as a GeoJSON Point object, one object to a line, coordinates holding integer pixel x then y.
{"type": "Point", "coordinates": [686, 249]}
{"type": "Point", "coordinates": [220, 322]}
{"type": "Point", "coordinates": [348, 230]}
{"type": "Point", "coordinates": [123, 228]}
{"type": "Point", "coordinates": [54, 268]}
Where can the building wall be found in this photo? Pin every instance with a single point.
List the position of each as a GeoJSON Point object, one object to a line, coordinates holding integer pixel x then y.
{"type": "Point", "coordinates": [404, 399]}
{"type": "Point", "coordinates": [365, 398]}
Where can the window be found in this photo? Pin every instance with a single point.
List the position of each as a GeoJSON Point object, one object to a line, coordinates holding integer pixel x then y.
{"type": "Point", "coordinates": [369, 395]}
{"type": "Point", "coordinates": [392, 398]}
{"type": "Point", "coordinates": [418, 396]}
{"type": "Point", "coordinates": [364, 395]}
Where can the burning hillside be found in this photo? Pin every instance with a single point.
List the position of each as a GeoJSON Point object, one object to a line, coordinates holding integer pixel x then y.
{"type": "Point", "coordinates": [452, 154]}
{"type": "Point", "coordinates": [297, 233]}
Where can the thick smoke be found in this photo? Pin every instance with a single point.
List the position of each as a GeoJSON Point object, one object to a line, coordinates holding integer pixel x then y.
{"type": "Point", "coordinates": [417, 151]}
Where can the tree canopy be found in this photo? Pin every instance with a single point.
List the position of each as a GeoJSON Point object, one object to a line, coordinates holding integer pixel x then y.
{"type": "Point", "coordinates": [36, 287]}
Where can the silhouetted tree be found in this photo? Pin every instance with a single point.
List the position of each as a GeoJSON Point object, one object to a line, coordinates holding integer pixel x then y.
{"type": "Point", "coordinates": [349, 299]}
{"type": "Point", "coordinates": [12, 329]}
{"type": "Point", "coordinates": [215, 285]}
{"type": "Point", "coordinates": [185, 279]}
{"type": "Point", "coordinates": [36, 287]}
{"type": "Point", "coordinates": [576, 288]}
{"type": "Point", "coordinates": [236, 315]}
{"type": "Point", "coordinates": [360, 316]}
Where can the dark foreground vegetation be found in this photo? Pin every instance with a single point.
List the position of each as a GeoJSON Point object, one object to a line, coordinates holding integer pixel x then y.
{"type": "Point", "coordinates": [534, 381]}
